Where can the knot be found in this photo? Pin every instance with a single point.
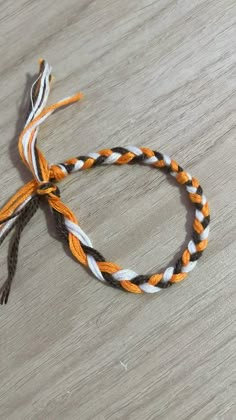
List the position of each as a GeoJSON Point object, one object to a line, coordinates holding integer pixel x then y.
{"type": "Point", "coordinates": [47, 188]}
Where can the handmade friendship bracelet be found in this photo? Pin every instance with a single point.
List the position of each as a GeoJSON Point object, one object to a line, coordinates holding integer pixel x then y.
{"type": "Point", "coordinates": [23, 205]}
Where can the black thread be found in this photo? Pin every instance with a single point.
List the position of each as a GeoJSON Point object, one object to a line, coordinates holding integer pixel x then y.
{"type": "Point", "coordinates": [23, 219]}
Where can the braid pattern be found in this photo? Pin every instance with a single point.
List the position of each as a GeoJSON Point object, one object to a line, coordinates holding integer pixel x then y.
{"type": "Point", "coordinates": [21, 207]}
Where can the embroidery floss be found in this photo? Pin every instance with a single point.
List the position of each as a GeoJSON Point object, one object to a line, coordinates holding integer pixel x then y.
{"type": "Point", "coordinates": [23, 205]}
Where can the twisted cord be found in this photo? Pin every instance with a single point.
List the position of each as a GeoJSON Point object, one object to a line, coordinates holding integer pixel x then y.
{"type": "Point", "coordinates": [20, 209]}
{"type": "Point", "coordinates": [24, 217]}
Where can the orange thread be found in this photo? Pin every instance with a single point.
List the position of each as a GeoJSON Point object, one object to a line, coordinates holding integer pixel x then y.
{"type": "Point", "coordinates": [43, 185]}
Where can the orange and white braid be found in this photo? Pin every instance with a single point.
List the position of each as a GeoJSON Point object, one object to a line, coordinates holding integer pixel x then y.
{"type": "Point", "coordinates": [18, 211]}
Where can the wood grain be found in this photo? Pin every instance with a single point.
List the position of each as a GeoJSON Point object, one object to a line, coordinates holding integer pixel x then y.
{"type": "Point", "coordinates": [155, 73]}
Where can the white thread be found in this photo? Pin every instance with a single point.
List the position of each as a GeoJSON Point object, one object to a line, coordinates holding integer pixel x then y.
{"type": "Point", "coordinates": [192, 247]}
{"type": "Point", "coordinates": [78, 165]}
{"type": "Point", "coordinates": [36, 106]}
{"type": "Point", "coordinates": [204, 200]}
{"type": "Point", "coordinates": [78, 232]}
{"type": "Point", "coordinates": [167, 160]}
{"type": "Point", "coordinates": [189, 267]}
{"type": "Point", "coordinates": [5, 226]}
{"type": "Point", "coordinates": [31, 90]}
{"type": "Point", "coordinates": [191, 190]}
{"type": "Point", "coordinates": [148, 288]}
{"type": "Point", "coordinates": [135, 150]}
{"type": "Point", "coordinates": [112, 158]}
{"type": "Point", "coordinates": [94, 156]}
{"type": "Point", "coordinates": [168, 273]}
{"type": "Point", "coordinates": [199, 216]}
{"type": "Point", "coordinates": [151, 160]}
{"type": "Point", "coordinates": [125, 274]}
{"type": "Point", "coordinates": [94, 267]}
{"type": "Point", "coordinates": [62, 168]}
{"type": "Point", "coordinates": [81, 235]}
{"type": "Point", "coordinates": [204, 235]}
{"type": "Point", "coordinates": [33, 155]}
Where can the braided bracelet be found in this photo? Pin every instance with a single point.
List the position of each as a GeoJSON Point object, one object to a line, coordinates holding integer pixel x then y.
{"type": "Point", "coordinates": [23, 205]}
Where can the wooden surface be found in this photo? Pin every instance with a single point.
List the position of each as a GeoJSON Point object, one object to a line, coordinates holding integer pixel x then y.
{"type": "Point", "coordinates": [156, 73]}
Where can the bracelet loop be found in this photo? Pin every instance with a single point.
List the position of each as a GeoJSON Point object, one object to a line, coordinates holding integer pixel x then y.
{"type": "Point", "coordinates": [23, 205]}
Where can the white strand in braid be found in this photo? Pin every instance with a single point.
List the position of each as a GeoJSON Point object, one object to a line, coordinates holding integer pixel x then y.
{"type": "Point", "coordinates": [120, 275]}
{"type": "Point", "coordinates": [39, 104]}
{"type": "Point", "coordinates": [126, 274]}
{"type": "Point", "coordinates": [37, 108]}
{"type": "Point", "coordinates": [75, 230]}
{"type": "Point", "coordinates": [7, 225]}
{"type": "Point", "coordinates": [44, 101]}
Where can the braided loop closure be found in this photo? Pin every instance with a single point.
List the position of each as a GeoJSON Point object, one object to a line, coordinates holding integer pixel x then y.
{"type": "Point", "coordinates": [111, 272]}
{"type": "Point", "coordinates": [47, 188]}
{"type": "Point", "coordinates": [21, 207]}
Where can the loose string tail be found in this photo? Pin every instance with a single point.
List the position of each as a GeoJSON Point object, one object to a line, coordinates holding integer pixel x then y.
{"type": "Point", "coordinates": [23, 205]}
{"type": "Point", "coordinates": [15, 215]}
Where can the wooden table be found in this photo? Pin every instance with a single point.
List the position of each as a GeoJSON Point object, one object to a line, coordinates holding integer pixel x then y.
{"type": "Point", "coordinates": [155, 73]}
